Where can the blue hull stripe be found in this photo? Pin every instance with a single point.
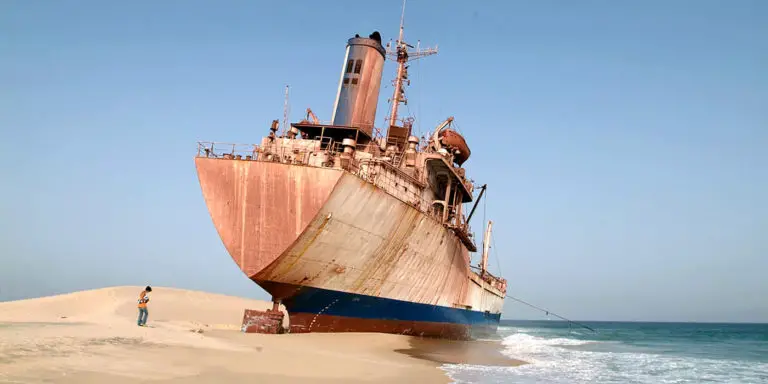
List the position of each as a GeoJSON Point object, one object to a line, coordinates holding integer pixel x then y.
{"type": "Point", "coordinates": [335, 303]}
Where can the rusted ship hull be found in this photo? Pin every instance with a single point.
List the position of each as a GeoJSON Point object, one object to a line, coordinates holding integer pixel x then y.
{"type": "Point", "coordinates": [320, 310]}
{"type": "Point", "coordinates": [343, 255]}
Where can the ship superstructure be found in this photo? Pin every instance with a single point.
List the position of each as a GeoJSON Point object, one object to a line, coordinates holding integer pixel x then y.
{"type": "Point", "coordinates": [352, 229]}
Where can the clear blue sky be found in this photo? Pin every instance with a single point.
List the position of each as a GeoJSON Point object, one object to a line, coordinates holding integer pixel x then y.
{"type": "Point", "coordinates": [625, 142]}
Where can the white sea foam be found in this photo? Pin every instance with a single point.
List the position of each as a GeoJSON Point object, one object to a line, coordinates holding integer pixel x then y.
{"type": "Point", "coordinates": [560, 360]}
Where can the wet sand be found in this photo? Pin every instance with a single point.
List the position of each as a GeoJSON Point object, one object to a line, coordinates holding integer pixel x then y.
{"type": "Point", "coordinates": [479, 352]}
{"type": "Point", "coordinates": [194, 337]}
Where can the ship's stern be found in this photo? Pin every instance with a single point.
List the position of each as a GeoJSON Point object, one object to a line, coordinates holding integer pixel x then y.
{"type": "Point", "coordinates": [259, 208]}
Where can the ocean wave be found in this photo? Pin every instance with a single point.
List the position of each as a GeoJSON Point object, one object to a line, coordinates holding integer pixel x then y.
{"type": "Point", "coordinates": [526, 339]}
{"type": "Point", "coordinates": [559, 360]}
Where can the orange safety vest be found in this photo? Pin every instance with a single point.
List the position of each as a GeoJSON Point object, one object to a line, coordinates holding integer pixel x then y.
{"type": "Point", "coordinates": [143, 299]}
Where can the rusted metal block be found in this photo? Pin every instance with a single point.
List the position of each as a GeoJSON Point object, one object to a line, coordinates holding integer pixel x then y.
{"type": "Point", "coordinates": [269, 321]}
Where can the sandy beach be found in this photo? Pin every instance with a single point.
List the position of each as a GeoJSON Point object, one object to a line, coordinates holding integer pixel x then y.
{"type": "Point", "coordinates": [194, 337]}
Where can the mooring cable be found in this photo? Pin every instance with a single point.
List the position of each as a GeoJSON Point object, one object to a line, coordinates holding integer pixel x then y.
{"type": "Point", "coordinates": [498, 263]}
{"type": "Point", "coordinates": [548, 312]}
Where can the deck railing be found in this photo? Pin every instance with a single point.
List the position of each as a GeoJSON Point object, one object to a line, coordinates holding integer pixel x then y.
{"type": "Point", "coordinates": [226, 150]}
{"type": "Point", "coordinates": [499, 283]}
{"type": "Point", "coordinates": [383, 174]}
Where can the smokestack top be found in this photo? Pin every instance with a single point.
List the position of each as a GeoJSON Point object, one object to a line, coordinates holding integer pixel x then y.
{"type": "Point", "coordinates": [375, 36]}
{"type": "Point", "coordinates": [373, 40]}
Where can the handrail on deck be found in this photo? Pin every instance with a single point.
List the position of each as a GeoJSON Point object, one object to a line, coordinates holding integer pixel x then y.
{"type": "Point", "coordinates": [209, 149]}
{"type": "Point", "coordinates": [488, 274]}
{"type": "Point", "coordinates": [391, 166]}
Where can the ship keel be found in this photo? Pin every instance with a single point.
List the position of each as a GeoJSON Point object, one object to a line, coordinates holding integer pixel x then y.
{"type": "Point", "coordinates": [313, 309]}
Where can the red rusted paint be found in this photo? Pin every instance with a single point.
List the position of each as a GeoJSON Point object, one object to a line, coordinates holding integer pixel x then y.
{"type": "Point", "coordinates": [269, 321]}
{"type": "Point", "coordinates": [260, 208]}
{"type": "Point", "coordinates": [308, 322]}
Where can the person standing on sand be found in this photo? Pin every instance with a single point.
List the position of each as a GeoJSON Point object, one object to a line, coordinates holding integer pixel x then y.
{"type": "Point", "coordinates": [143, 300]}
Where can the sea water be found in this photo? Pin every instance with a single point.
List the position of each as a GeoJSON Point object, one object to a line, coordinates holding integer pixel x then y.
{"type": "Point", "coordinates": [626, 353]}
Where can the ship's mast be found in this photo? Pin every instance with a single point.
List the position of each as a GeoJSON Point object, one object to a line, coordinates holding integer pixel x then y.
{"type": "Point", "coordinates": [486, 247]}
{"type": "Point", "coordinates": [402, 56]}
{"type": "Point", "coordinates": [286, 111]}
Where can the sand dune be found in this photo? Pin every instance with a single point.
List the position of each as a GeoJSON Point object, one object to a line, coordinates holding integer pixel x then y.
{"type": "Point", "coordinates": [193, 337]}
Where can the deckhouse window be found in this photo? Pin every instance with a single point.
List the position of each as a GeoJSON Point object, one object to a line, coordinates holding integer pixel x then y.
{"type": "Point", "coordinates": [358, 66]}
{"type": "Point", "coordinates": [349, 66]}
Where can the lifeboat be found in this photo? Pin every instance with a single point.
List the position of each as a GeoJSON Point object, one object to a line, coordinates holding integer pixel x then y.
{"type": "Point", "coordinates": [456, 143]}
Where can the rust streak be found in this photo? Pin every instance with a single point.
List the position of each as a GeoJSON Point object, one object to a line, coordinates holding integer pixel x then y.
{"type": "Point", "coordinates": [243, 202]}
{"type": "Point", "coordinates": [295, 257]}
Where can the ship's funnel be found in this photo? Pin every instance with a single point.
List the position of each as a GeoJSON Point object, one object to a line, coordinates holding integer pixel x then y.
{"type": "Point", "coordinates": [359, 84]}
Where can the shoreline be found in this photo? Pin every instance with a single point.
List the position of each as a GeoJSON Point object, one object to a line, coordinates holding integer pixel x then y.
{"type": "Point", "coordinates": [475, 352]}
{"type": "Point", "coordinates": [194, 337]}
